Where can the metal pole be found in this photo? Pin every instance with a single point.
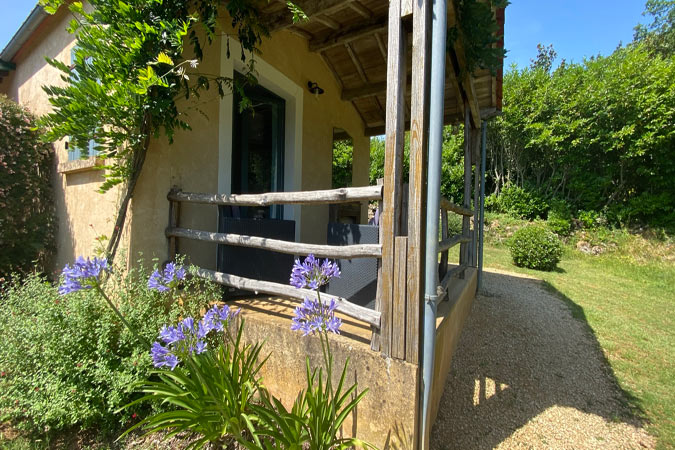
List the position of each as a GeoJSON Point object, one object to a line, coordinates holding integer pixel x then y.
{"type": "Point", "coordinates": [437, 94]}
{"type": "Point", "coordinates": [481, 221]}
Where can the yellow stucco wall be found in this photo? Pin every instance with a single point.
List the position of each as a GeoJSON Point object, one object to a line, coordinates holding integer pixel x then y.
{"type": "Point", "coordinates": [82, 213]}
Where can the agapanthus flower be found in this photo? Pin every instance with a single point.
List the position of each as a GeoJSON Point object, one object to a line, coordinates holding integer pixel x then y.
{"type": "Point", "coordinates": [312, 273]}
{"type": "Point", "coordinates": [84, 274]}
{"type": "Point", "coordinates": [167, 279]}
{"type": "Point", "coordinates": [175, 343]}
{"type": "Point", "coordinates": [313, 316]}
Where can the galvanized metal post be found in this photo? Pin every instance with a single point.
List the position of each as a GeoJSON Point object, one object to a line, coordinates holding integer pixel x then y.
{"type": "Point", "coordinates": [481, 221]}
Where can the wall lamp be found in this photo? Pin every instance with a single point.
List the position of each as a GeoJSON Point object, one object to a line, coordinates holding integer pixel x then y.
{"type": "Point", "coordinates": [314, 88]}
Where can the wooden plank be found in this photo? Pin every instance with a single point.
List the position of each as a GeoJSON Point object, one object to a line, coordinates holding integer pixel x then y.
{"type": "Point", "coordinates": [357, 63]}
{"type": "Point", "coordinates": [450, 242]}
{"type": "Point", "coordinates": [366, 90]}
{"type": "Point", "coordinates": [450, 274]}
{"type": "Point", "coordinates": [284, 290]}
{"type": "Point", "coordinates": [349, 34]}
{"type": "Point", "coordinates": [325, 20]}
{"type": "Point", "coordinates": [174, 217]}
{"type": "Point", "coordinates": [445, 234]}
{"type": "Point", "coordinates": [419, 126]}
{"type": "Point", "coordinates": [447, 205]}
{"type": "Point", "coordinates": [360, 9]}
{"type": "Point", "coordinates": [341, 195]}
{"type": "Point", "coordinates": [393, 173]}
{"type": "Point", "coordinates": [380, 45]}
{"type": "Point", "coordinates": [400, 292]}
{"type": "Point", "coordinates": [276, 245]}
{"type": "Point", "coordinates": [463, 253]}
{"type": "Point", "coordinates": [406, 8]}
{"type": "Point", "coordinates": [332, 69]}
{"type": "Point", "coordinates": [283, 19]}
{"type": "Point", "coordinates": [476, 189]}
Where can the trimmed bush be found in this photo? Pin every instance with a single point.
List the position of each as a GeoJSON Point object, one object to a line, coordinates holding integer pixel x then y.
{"type": "Point", "coordinates": [535, 247]}
{"type": "Point", "coordinates": [67, 360]}
{"type": "Point", "coordinates": [27, 219]}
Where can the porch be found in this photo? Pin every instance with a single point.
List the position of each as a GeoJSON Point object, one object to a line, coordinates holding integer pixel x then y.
{"type": "Point", "coordinates": [372, 48]}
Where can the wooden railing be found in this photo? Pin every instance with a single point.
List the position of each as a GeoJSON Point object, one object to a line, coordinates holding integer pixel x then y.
{"type": "Point", "coordinates": [342, 195]}
{"type": "Point", "coordinates": [447, 241]}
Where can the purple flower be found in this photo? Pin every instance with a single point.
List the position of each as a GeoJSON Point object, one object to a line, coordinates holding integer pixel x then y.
{"type": "Point", "coordinates": [188, 337]}
{"type": "Point", "coordinates": [312, 273]}
{"type": "Point", "coordinates": [84, 274]}
{"type": "Point", "coordinates": [313, 316]}
{"type": "Point", "coordinates": [167, 279]}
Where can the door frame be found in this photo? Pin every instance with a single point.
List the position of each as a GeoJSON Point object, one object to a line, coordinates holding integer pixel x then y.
{"type": "Point", "coordinates": [277, 83]}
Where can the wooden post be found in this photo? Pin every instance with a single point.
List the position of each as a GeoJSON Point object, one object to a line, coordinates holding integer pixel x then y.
{"type": "Point", "coordinates": [445, 233]}
{"type": "Point", "coordinates": [393, 176]}
{"type": "Point", "coordinates": [464, 248]}
{"type": "Point", "coordinates": [174, 222]}
{"type": "Point", "coordinates": [419, 136]}
{"type": "Point", "coordinates": [476, 189]}
{"type": "Point", "coordinates": [400, 292]}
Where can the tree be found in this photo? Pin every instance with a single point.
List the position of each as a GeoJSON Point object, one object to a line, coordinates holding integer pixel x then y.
{"type": "Point", "coordinates": [128, 74]}
{"type": "Point", "coordinates": [659, 36]}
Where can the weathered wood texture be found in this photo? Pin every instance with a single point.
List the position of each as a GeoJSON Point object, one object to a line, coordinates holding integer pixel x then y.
{"type": "Point", "coordinates": [174, 220]}
{"type": "Point", "coordinates": [464, 249]}
{"type": "Point", "coordinates": [400, 292]}
{"type": "Point", "coordinates": [276, 245]}
{"type": "Point", "coordinates": [476, 191]}
{"type": "Point", "coordinates": [349, 309]}
{"type": "Point", "coordinates": [450, 242]}
{"type": "Point", "coordinates": [393, 174]}
{"type": "Point", "coordinates": [342, 195]}
{"type": "Point", "coordinates": [445, 282]}
{"type": "Point", "coordinates": [447, 205]}
{"type": "Point", "coordinates": [419, 121]}
{"type": "Point", "coordinates": [445, 234]}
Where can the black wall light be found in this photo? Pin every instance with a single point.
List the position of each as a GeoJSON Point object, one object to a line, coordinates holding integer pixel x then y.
{"type": "Point", "coordinates": [314, 88]}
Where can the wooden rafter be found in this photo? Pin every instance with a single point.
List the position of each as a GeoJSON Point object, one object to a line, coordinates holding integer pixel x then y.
{"type": "Point", "coordinates": [325, 20]}
{"type": "Point", "coordinates": [360, 9]}
{"type": "Point", "coordinates": [366, 90]}
{"type": "Point", "coordinates": [284, 19]}
{"type": "Point", "coordinates": [380, 44]}
{"type": "Point", "coordinates": [331, 67]}
{"type": "Point", "coordinates": [349, 34]}
{"type": "Point", "coordinates": [357, 63]}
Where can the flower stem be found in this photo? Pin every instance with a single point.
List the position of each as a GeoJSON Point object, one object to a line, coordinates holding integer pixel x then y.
{"type": "Point", "coordinates": [124, 321]}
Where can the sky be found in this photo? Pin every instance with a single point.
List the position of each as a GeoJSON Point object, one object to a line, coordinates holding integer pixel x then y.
{"type": "Point", "coordinates": [576, 28]}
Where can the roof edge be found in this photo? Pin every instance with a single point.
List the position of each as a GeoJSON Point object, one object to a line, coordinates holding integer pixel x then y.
{"type": "Point", "coordinates": [32, 22]}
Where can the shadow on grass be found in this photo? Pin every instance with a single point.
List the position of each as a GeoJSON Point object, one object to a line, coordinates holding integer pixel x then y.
{"type": "Point", "coordinates": [525, 349]}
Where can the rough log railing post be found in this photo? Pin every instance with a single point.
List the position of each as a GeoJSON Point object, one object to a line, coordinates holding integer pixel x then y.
{"type": "Point", "coordinates": [393, 175]}
{"type": "Point", "coordinates": [174, 222]}
{"type": "Point", "coordinates": [464, 248]}
{"type": "Point", "coordinates": [419, 136]}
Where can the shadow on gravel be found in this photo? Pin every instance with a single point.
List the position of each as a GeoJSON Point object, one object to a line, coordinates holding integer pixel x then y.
{"type": "Point", "coordinates": [524, 349]}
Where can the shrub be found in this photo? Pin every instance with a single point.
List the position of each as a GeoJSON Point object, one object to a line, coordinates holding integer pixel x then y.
{"type": "Point", "coordinates": [521, 203]}
{"type": "Point", "coordinates": [492, 204]}
{"type": "Point", "coordinates": [561, 227]}
{"type": "Point", "coordinates": [27, 218]}
{"type": "Point", "coordinates": [68, 360]}
{"type": "Point", "coordinates": [535, 247]}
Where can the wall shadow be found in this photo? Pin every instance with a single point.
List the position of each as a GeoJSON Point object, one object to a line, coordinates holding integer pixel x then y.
{"type": "Point", "coordinates": [525, 348]}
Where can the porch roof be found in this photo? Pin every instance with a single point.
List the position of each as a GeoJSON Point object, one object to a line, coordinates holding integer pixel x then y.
{"type": "Point", "coordinates": [351, 38]}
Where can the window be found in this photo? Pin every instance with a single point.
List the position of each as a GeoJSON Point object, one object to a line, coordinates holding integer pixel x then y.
{"type": "Point", "coordinates": [75, 153]}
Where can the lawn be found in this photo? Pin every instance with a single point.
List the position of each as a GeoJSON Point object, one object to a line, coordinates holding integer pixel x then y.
{"type": "Point", "coordinates": [630, 308]}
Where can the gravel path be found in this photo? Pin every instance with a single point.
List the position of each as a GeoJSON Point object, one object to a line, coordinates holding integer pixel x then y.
{"type": "Point", "coordinates": [528, 375]}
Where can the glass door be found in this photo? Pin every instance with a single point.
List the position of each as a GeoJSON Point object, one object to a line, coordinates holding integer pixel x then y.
{"type": "Point", "coordinates": [258, 149]}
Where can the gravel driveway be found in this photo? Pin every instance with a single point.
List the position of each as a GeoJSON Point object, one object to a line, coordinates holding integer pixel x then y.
{"type": "Point", "coordinates": [528, 375]}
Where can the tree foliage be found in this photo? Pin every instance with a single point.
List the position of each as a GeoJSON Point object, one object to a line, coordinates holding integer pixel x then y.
{"type": "Point", "coordinates": [598, 134]}
{"type": "Point", "coordinates": [27, 222]}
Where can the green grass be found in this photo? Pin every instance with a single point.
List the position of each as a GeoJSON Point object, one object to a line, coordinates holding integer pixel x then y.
{"type": "Point", "coordinates": [630, 308]}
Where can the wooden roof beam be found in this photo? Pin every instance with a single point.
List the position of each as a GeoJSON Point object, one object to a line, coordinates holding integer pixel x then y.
{"type": "Point", "coordinates": [284, 19]}
{"type": "Point", "coordinates": [349, 34]}
{"type": "Point", "coordinates": [360, 9]}
{"type": "Point", "coordinates": [366, 90]}
{"type": "Point", "coordinates": [460, 70]}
